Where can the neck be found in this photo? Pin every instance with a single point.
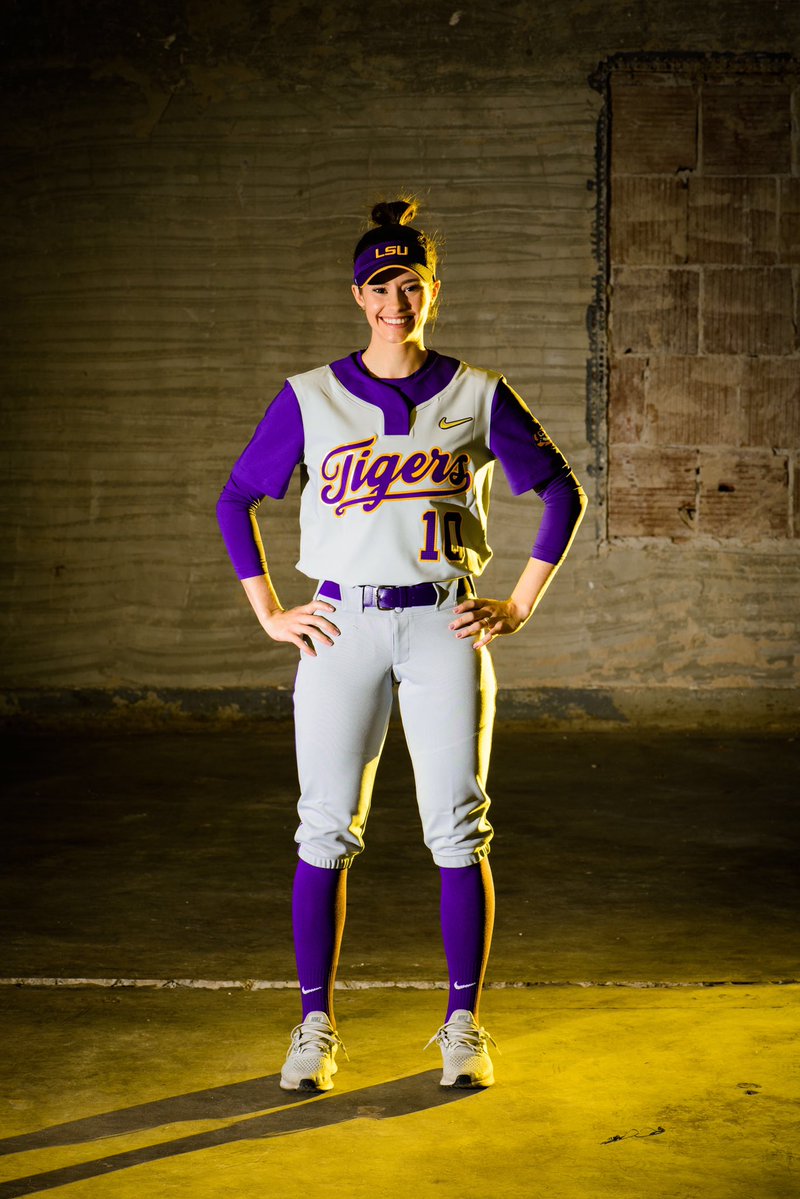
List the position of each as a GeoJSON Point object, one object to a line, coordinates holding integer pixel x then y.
{"type": "Point", "coordinates": [394, 362]}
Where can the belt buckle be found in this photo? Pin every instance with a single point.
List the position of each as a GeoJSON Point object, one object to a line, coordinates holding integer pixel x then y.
{"type": "Point", "coordinates": [380, 593]}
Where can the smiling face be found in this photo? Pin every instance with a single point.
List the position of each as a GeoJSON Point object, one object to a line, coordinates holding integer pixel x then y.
{"type": "Point", "coordinates": [396, 304]}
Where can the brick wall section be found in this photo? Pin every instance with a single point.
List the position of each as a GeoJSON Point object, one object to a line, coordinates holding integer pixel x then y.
{"type": "Point", "coordinates": [704, 348]}
{"type": "Point", "coordinates": [743, 495]}
{"type": "Point", "coordinates": [653, 488]}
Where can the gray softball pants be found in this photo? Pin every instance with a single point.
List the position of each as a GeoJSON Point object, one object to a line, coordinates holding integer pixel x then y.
{"type": "Point", "coordinates": [342, 704]}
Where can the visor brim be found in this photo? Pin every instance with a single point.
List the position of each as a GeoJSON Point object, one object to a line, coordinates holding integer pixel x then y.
{"type": "Point", "coordinates": [398, 265]}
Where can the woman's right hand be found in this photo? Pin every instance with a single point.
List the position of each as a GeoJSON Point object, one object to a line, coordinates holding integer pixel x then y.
{"type": "Point", "coordinates": [302, 626]}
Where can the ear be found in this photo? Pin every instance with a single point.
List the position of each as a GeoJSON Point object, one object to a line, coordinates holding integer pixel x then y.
{"type": "Point", "coordinates": [357, 296]}
{"type": "Point", "coordinates": [437, 283]}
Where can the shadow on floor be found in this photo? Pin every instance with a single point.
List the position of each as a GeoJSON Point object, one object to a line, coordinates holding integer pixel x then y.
{"type": "Point", "coordinates": [401, 1097]}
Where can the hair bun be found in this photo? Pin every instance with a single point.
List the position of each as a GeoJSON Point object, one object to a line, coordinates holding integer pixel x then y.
{"type": "Point", "coordinates": [394, 212]}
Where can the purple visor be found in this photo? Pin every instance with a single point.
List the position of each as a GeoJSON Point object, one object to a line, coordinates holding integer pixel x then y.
{"type": "Point", "coordinates": [406, 255]}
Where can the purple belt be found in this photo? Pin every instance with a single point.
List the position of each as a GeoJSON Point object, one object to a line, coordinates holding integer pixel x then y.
{"type": "Point", "coordinates": [389, 599]}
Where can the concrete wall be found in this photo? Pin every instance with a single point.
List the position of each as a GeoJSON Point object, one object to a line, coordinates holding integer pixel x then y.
{"type": "Point", "coordinates": [183, 189]}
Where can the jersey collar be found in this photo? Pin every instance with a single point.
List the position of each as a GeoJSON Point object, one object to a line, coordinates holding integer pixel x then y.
{"type": "Point", "coordinates": [396, 397]}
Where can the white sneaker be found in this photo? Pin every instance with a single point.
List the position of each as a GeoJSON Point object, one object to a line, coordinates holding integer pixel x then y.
{"type": "Point", "coordinates": [465, 1057]}
{"type": "Point", "coordinates": [310, 1063]}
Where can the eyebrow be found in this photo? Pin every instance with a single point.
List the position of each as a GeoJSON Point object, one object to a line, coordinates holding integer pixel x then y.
{"type": "Point", "coordinates": [402, 282]}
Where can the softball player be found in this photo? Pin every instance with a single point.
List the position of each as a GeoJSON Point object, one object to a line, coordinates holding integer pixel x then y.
{"type": "Point", "coordinates": [396, 446]}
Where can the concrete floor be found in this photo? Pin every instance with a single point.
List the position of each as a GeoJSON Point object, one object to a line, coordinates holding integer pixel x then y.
{"type": "Point", "coordinates": [620, 861]}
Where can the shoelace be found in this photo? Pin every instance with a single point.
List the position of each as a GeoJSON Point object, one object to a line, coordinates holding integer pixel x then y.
{"type": "Point", "coordinates": [463, 1035]}
{"type": "Point", "coordinates": [302, 1034]}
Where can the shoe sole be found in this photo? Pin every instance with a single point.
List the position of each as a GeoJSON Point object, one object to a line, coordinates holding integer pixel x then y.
{"type": "Point", "coordinates": [307, 1085]}
{"type": "Point", "coordinates": [465, 1082]}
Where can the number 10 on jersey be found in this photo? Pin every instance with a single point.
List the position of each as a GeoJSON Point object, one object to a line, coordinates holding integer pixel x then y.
{"type": "Point", "coordinates": [450, 532]}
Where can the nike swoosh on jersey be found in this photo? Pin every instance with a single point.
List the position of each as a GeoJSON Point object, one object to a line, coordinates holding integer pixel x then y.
{"type": "Point", "coordinates": [463, 986]}
{"type": "Point", "coordinates": [444, 423]}
{"type": "Point", "coordinates": [310, 990]}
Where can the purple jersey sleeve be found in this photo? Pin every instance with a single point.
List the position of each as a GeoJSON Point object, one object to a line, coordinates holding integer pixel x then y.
{"type": "Point", "coordinates": [276, 447]}
{"type": "Point", "coordinates": [264, 468]}
{"type": "Point", "coordinates": [531, 461]}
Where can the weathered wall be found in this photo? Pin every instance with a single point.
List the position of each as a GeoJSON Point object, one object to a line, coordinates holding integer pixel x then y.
{"type": "Point", "coordinates": [704, 402]}
{"type": "Point", "coordinates": [183, 189]}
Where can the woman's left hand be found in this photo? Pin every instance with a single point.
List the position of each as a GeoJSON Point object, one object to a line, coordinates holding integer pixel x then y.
{"type": "Point", "coordinates": [487, 619]}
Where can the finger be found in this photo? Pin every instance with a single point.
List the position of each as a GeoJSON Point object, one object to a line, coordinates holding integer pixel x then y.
{"type": "Point", "coordinates": [469, 618]}
{"type": "Point", "coordinates": [467, 605]}
{"type": "Point", "coordinates": [481, 616]}
{"type": "Point", "coordinates": [490, 626]}
{"type": "Point", "coordinates": [307, 647]}
{"type": "Point", "coordinates": [488, 636]}
{"type": "Point", "coordinates": [310, 629]}
{"type": "Point", "coordinates": [319, 636]}
{"type": "Point", "coordinates": [315, 605]}
{"type": "Point", "coordinates": [471, 630]}
{"type": "Point", "coordinates": [322, 623]}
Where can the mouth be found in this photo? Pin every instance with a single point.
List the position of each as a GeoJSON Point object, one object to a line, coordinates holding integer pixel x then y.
{"type": "Point", "coordinates": [396, 321]}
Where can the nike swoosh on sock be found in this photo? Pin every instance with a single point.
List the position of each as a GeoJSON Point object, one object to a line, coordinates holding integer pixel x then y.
{"type": "Point", "coordinates": [310, 990]}
{"type": "Point", "coordinates": [463, 986]}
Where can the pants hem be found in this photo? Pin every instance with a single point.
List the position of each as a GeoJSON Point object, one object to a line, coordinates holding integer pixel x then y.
{"type": "Point", "coordinates": [466, 859]}
{"type": "Point", "coordinates": [325, 863]}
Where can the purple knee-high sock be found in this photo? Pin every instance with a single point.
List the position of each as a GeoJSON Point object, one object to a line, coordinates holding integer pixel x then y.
{"type": "Point", "coordinates": [318, 911]}
{"type": "Point", "coordinates": [467, 913]}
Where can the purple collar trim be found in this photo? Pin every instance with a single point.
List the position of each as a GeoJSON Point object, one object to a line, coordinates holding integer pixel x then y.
{"type": "Point", "coordinates": [396, 397]}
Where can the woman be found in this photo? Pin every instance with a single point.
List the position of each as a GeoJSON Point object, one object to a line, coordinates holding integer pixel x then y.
{"type": "Point", "coordinates": [397, 445]}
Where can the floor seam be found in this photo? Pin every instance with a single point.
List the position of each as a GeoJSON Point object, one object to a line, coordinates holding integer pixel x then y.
{"type": "Point", "coordinates": [261, 984]}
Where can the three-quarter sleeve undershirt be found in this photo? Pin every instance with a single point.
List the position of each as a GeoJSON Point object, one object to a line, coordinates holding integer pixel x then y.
{"type": "Point", "coordinates": [528, 457]}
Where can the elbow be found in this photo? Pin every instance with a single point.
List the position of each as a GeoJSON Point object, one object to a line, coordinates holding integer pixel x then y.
{"type": "Point", "coordinates": [222, 508]}
{"type": "Point", "coordinates": [580, 504]}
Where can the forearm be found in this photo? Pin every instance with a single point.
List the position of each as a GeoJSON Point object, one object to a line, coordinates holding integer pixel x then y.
{"type": "Point", "coordinates": [564, 505]}
{"type": "Point", "coordinates": [538, 573]}
{"type": "Point", "coordinates": [301, 626]}
{"type": "Point", "coordinates": [531, 586]}
{"type": "Point", "coordinates": [236, 514]}
{"type": "Point", "coordinates": [486, 619]}
{"type": "Point", "coordinates": [262, 596]}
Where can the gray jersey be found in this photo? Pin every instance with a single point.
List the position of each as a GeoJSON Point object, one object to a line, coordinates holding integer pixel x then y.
{"type": "Point", "coordinates": [395, 509]}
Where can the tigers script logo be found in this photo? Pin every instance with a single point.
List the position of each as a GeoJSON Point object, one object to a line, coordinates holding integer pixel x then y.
{"type": "Point", "coordinates": [355, 478]}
